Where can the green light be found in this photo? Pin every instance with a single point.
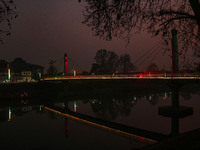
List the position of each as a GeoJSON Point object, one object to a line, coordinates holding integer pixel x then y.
{"type": "Point", "coordinates": [40, 76]}
{"type": "Point", "coordinates": [75, 106]}
{"type": "Point", "coordinates": [9, 109]}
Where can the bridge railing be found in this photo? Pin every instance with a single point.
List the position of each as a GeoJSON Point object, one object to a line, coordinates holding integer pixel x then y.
{"type": "Point", "coordinates": [149, 75]}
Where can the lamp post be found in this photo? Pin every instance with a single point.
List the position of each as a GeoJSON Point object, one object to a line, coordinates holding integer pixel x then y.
{"type": "Point", "coordinates": [8, 75]}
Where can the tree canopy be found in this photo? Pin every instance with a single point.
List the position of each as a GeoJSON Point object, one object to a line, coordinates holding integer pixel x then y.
{"type": "Point", "coordinates": [117, 18]}
{"type": "Point", "coordinates": [7, 13]}
{"type": "Point", "coordinates": [152, 68]}
{"type": "Point", "coordinates": [107, 62]}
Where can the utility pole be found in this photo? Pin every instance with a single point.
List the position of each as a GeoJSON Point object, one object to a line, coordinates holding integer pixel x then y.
{"type": "Point", "coordinates": [51, 62]}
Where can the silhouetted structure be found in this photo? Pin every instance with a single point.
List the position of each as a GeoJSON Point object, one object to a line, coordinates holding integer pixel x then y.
{"type": "Point", "coordinates": [174, 52]}
{"type": "Point", "coordinates": [19, 68]}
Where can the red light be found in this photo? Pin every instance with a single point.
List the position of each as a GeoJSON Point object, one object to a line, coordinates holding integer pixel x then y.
{"type": "Point", "coordinates": [141, 139]}
{"type": "Point", "coordinates": [171, 60]}
{"type": "Point", "coordinates": [140, 76]}
{"type": "Point", "coordinates": [65, 64]}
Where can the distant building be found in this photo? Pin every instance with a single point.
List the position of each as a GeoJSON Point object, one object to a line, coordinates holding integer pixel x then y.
{"type": "Point", "coordinates": [3, 66]}
{"type": "Point", "coordinates": [26, 76]}
{"type": "Point", "coordinates": [3, 70]}
{"type": "Point", "coordinates": [20, 70]}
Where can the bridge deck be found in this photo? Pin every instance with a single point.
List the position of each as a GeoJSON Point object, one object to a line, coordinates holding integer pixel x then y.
{"type": "Point", "coordinates": [115, 77]}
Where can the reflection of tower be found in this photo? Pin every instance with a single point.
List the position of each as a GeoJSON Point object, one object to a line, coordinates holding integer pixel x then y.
{"type": "Point", "coordinates": [9, 114]}
{"type": "Point", "coordinates": [65, 64]}
{"type": "Point", "coordinates": [75, 106]}
{"type": "Point", "coordinates": [66, 119]}
{"type": "Point", "coordinates": [66, 127]}
{"type": "Point", "coordinates": [175, 111]}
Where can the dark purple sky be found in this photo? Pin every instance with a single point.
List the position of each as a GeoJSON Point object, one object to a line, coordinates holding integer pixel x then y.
{"type": "Point", "coordinates": [46, 30]}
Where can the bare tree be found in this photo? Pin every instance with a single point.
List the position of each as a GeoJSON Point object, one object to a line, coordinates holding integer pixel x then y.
{"type": "Point", "coordinates": [7, 13]}
{"type": "Point", "coordinates": [117, 18]}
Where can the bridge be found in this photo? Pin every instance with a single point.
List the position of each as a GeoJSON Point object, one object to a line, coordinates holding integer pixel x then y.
{"type": "Point", "coordinates": [175, 74]}
{"type": "Point", "coordinates": [163, 76]}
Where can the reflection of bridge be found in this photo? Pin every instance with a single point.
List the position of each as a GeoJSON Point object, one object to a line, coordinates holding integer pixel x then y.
{"type": "Point", "coordinates": [135, 133]}
{"type": "Point", "coordinates": [175, 112]}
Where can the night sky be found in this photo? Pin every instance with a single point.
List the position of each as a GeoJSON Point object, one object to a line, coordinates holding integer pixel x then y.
{"type": "Point", "coordinates": [47, 29]}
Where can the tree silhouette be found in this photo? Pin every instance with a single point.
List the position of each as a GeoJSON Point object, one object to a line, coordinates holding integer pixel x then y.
{"type": "Point", "coordinates": [108, 109]}
{"type": "Point", "coordinates": [125, 64]}
{"type": "Point", "coordinates": [106, 62]}
{"type": "Point", "coordinates": [7, 13]}
{"type": "Point", "coordinates": [117, 18]}
{"type": "Point", "coordinates": [152, 68]}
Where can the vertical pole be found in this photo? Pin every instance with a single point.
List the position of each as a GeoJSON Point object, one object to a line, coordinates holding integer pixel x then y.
{"type": "Point", "coordinates": [65, 64]}
{"type": "Point", "coordinates": [66, 127]}
{"type": "Point", "coordinates": [74, 73]}
{"type": "Point", "coordinates": [174, 52]}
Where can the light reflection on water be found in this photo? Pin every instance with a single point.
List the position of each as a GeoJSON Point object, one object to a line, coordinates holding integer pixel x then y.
{"type": "Point", "coordinates": [31, 127]}
{"type": "Point", "coordinates": [46, 130]}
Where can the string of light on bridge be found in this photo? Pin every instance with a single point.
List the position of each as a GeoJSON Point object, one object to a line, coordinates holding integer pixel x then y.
{"type": "Point", "coordinates": [123, 77]}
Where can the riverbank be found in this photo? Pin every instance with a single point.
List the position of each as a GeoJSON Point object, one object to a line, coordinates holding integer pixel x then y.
{"type": "Point", "coordinates": [186, 141]}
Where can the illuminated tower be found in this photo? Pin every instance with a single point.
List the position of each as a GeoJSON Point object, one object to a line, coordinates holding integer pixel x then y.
{"type": "Point", "coordinates": [174, 52]}
{"type": "Point", "coordinates": [65, 64]}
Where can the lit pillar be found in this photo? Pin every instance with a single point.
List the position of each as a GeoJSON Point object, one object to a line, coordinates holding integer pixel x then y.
{"type": "Point", "coordinates": [174, 52]}
{"type": "Point", "coordinates": [39, 76]}
{"type": "Point", "coordinates": [8, 75]}
{"type": "Point", "coordinates": [74, 73]}
{"type": "Point", "coordinates": [65, 64]}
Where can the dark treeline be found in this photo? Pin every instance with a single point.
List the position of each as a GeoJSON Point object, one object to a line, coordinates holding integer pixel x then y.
{"type": "Point", "coordinates": [108, 62]}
